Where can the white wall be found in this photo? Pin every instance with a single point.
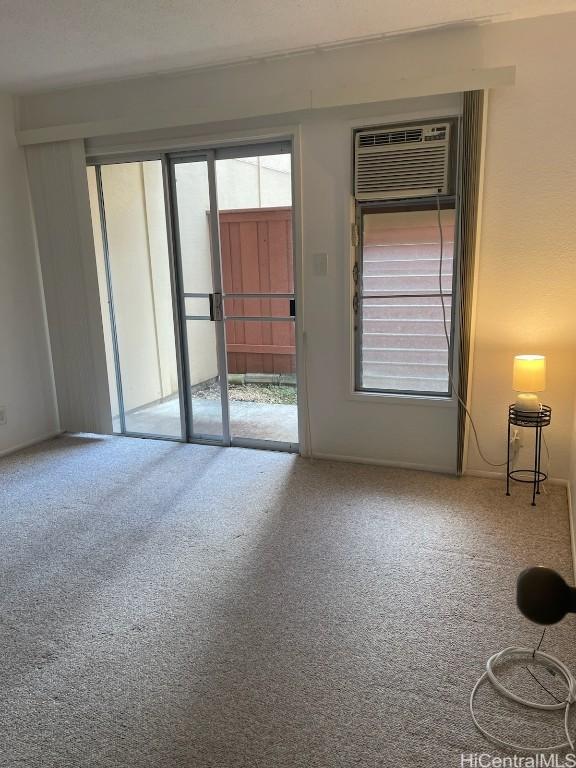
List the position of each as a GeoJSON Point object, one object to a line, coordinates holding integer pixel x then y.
{"type": "Point", "coordinates": [404, 431]}
{"type": "Point", "coordinates": [527, 270]}
{"type": "Point", "coordinates": [527, 280]}
{"type": "Point", "coordinates": [59, 191]}
{"type": "Point", "coordinates": [152, 183]}
{"type": "Point", "coordinates": [26, 383]}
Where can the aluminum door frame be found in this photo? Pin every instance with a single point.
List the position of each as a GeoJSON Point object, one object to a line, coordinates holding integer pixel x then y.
{"type": "Point", "coordinates": [180, 159]}
{"type": "Point", "coordinates": [259, 442]}
{"type": "Point", "coordinates": [169, 160]}
{"type": "Point", "coordinates": [209, 156]}
{"type": "Point", "coordinates": [97, 165]}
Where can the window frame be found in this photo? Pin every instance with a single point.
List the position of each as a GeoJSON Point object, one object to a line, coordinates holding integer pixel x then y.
{"type": "Point", "coordinates": [361, 208]}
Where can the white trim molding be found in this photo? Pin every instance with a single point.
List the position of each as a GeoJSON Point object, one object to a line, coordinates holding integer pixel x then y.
{"type": "Point", "coordinates": [282, 102]}
{"type": "Point", "coordinates": [379, 462]}
{"type": "Point", "coordinates": [491, 474]}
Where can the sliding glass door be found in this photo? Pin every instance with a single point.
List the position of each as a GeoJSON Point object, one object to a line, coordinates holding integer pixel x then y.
{"type": "Point", "coordinates": [200, 285]}
{"type": "Point", "coordinates": [255, 215]}
{"type": "Point", "coordinates": [197, 279]}
{"type": "Point", "coordinates": [135, 280]}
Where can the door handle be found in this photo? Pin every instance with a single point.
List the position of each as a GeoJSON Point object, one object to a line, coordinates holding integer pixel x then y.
{"type": "Point", "coordinates": [216, 308]}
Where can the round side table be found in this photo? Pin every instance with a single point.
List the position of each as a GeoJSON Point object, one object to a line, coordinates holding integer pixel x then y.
{"type": "Point", "coordinates": [536, 420]}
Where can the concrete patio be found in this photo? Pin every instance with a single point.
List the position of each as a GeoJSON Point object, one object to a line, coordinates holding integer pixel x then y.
{"type": "Point", "coordinates": [260, 421]}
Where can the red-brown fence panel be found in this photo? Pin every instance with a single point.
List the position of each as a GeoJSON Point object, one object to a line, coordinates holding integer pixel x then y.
{"type": "Point", "coordinates": [256, 249]}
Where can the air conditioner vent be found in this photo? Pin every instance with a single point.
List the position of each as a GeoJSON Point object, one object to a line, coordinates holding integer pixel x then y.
{"type": "Point", "coordinates": [390, 137]}
{"type": "Point", "coordinates": [402, 162]}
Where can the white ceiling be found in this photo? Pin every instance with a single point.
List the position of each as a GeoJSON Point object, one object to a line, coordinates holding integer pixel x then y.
{"type": "Point", "coordinates": [54, 43]}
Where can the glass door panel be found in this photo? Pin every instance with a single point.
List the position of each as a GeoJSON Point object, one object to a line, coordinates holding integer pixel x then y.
{"type": "Point", "coordinates": [133, 261]}
{"type": "Point", "coordinates": [228, 375]}
{"type": "Point", "coordinates": [255, 215]}
{"type": "Point", "coordinates": [262, 379]}
{"type": "Point", "coordinates": [199, 281]}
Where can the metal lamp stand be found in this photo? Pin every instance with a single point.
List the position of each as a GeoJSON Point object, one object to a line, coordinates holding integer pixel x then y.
{"type": "Point", "coordinates": [536, 420]}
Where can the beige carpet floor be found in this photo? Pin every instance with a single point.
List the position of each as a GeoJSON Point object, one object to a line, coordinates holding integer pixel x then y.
{"type": "Point", "coordinates": [174, 605]}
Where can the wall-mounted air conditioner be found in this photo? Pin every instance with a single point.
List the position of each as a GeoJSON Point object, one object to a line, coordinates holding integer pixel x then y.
{"type": "Point", "coordinates": [396, 163]}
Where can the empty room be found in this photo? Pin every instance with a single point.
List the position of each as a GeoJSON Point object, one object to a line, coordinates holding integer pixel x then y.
{"type": "Point", "coordinates": [287, 384]}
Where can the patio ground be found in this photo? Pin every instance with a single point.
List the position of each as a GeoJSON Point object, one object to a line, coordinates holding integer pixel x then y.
{"type": "Point", "coordinates": [262, 420]}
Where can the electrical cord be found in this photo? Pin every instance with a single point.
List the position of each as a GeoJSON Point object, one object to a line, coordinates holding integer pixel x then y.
{"type": "Point", "coordinates": [540, 683]}
{"type": "Point", "coordinates": [447, 335]}
{"type": "Point", "coordinates": [548, 461]}
{"type": "Point", "coordinates": [555, 666]}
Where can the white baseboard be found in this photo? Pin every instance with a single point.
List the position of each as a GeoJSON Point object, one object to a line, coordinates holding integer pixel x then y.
{"type": "Point", "coordinates": [29, 443]}
{"type": "Point", "coordinates": [379, 462]}
{"type": "Point", "coordinates": [488, 473]}
{"type": "Point", "coordinates": [491, 474]}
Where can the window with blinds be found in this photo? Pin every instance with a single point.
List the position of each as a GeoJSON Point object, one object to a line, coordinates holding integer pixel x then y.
{"type": "Point", "coordinates": [401, 326]}
{"type": "Point", "coordinates": [404, 275]}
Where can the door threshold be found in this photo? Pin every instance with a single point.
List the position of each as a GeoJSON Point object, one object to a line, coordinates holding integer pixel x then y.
{"type": "Point", "coordinates": [239, 442]}
{"type": "Point", "coordinates": [264, 445]}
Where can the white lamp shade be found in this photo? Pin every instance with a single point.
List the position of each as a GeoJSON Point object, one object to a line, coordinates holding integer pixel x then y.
{"type": "Point", "coordinates": [529, 373]}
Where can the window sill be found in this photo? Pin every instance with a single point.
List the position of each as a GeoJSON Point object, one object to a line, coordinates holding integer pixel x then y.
{"type": "Point", "coordinates": [396, 399]}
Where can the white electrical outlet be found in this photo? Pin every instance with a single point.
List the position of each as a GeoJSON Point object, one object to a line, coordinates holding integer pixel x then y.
{"type": "Point", "coordinates": [517, 437]}
{"type": "Point", "coordinates": [3, 416]}
{"type": "Point", "coordinates": [516, 442]}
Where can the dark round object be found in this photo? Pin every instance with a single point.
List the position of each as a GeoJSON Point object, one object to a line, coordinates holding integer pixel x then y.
{"type": "Point", "coordinates": [543, 596]}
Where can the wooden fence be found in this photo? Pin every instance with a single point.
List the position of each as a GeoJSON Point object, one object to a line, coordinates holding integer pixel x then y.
{"type": "Point", "coordinates": [256, 247]}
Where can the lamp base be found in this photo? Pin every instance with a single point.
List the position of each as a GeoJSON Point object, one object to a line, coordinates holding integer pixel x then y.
{"type": "Point", "coordinates": [527, 401]}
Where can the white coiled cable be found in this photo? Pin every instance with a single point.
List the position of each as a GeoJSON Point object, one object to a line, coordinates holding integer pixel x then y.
{"type": "Point", "coordinates": [553, 664]}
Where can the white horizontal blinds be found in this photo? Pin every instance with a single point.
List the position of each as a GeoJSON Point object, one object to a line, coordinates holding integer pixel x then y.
{"type": "Point", "coordinates": [403, 341]}
{"type": "Point", "coordinates": [59, 188]}
{"type": "Point", "coordinates": [471, 153]}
